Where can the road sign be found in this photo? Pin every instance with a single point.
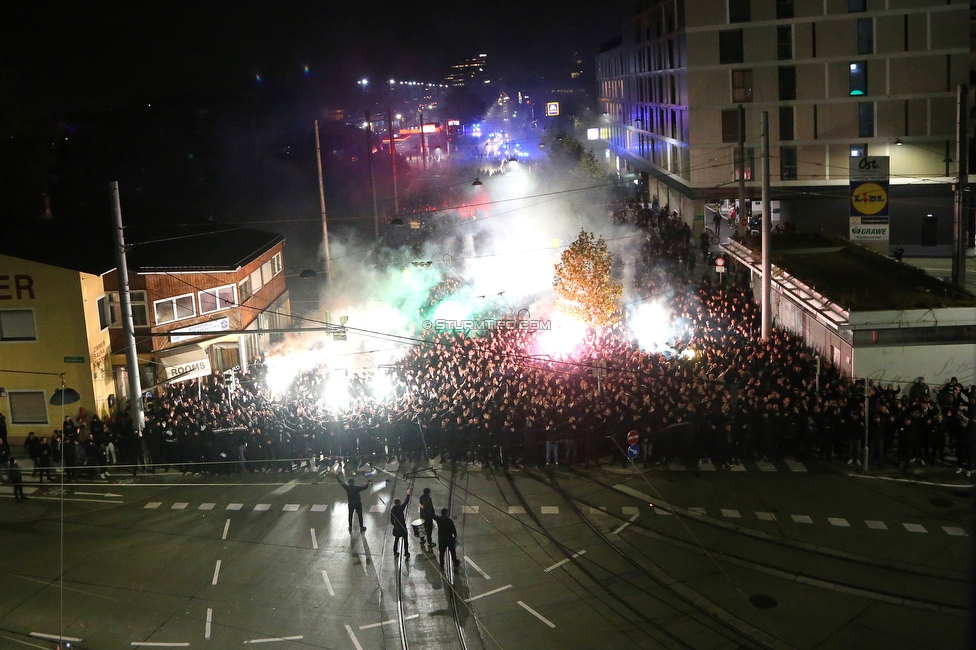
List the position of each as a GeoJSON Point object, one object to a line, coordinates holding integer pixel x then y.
{"type": "Point", "coordinates": [632, 438]}
{"type": "Point", "coordinates": [633, 451]}
{"type": "Point", "coordinates": [74, 359]}
{"type": "Point", "coordinates": [552, 109]}
{"type": "Point", "coordinates": [720, 264]}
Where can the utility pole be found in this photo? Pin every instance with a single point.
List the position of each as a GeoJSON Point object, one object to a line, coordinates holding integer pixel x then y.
{"type": "Point", "coordinates": [767, 316]}
{"type": "Point", "coordinates": [960, 237]}
{"type": "Point", "coordinates": [372, 180]}
{"type": "Point", "coordinates": [325, 227]}
{"type": "Point", "coordinates": [128, 329]}
{"type": "Point", "coordinates": [396, 198]}
{"type": "Point", "coordinates": [741, 212]}
{"type": "Point", "coordinates": [867, 421]}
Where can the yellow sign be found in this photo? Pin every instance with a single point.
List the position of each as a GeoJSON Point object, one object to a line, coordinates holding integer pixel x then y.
{"type": "Point", "coordinates": [552, 109]}
{"type": "Point", "coordinates": [869, 198]}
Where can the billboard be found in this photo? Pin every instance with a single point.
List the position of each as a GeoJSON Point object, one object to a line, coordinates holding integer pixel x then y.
{"type": "Point", "coordinates": [869, 199]}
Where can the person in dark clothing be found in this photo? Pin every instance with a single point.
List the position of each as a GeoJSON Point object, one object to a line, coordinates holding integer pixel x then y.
{"type": "Point", "coordinates": [399, 521]}
{"type": "Point", "coordinates": [427, 514]}
{"type": "Point", "coordinates": [353, 493]}
{"type": "Point", "coordinates": [446, 536]}
{"type": "Point", "coordinates": [17, 478]}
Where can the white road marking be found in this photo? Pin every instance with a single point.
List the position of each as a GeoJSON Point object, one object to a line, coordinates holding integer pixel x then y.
{"type": "Point", "coordinates": [488, 593]}
{"type": "Point", "coordinates": [285, 488]}
{"type": "Point", "coordinates": [226, 528]}
{"type": "Point", "coordinates": [290, 507]}
{"type": "Point", "coordinates": [152, 505]}
{"type": "Point", "coordinates": [315, 544]}
{"type": "Point", "coordinates": [179, 506]}
{"type": "Point", "coordinates": [955, 531]}
{"type": "Point", "coordinates": [765, 466]}
{"type": "Point", "coordinates": [677, 467]}
{"type": "Point", "coordinates": [765, 516]}
{"type": "Point", "coordinates": [915, 528]}
{"type": "Point", "coordinates": [620, 528]}
{"type": "Point", "coordinates": [630, 510]}
{"type": "Point", "coordinates": [737, 467]}
{"type": "Point", "coordinates": [602, 510]}
{"type": "Point", "coordinates": [838, 521]}
{"type": "Point", "coordinates": [262, 507]}
{"type": "Point", "coordinates": [319, 507]}
{"type": "Point", "coordinates": [278, 638]}
{"type": "Point", "coordinates": [662, 511]}
{"type": "Point", "coordinates": [206, 633]}
{"type": "Point", "coordinates": [107, 495]}
{"type": "Point", "coordinates": [732, 514]}
{"type": "Point", "coordinates": [516, 510]}
{"type": "Point", "coordinates": [56, 637]}
{"type": "Point", "coordinates": [802, 519]}
{"type": "Point", "coordinates": [234, 506]}
{"type": "Point", "coordinates": [216, 573]}
{"type": "Point", "coordinates": [706, 467]}
{"type": "Point", "coordinates": [875, 524]}
{"type": "Point", "coordinates": [470, 510]}
{"type": "Point", "coordinates": [696, 511]}
{"type": "Point", "coordinates": [536, 614]}
{"type": "Point", "coordinates": [389, 622]}
{"type": "Point", "coordinates": [362, 561]}
{"type": "Point", "coordinates": [159, 644]}
{"type": "Point", "coordinates": [328, 583]}
{"type": "Point", "coordinates": [550, 510]}
{"type": "Point", "coordinates": [564, 561]}
{"type": "Point", "coordinates": [207, 506]}
{"type": "Point", "coordinates": [477, 568]}
{"type": "Point", "coordinates": [795, 466]}
{"type": "Point", "coordinates": [352, 635]}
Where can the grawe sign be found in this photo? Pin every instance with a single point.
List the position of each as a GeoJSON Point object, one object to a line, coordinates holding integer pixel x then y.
{"type": "Point", "coordinates": [869, 199]}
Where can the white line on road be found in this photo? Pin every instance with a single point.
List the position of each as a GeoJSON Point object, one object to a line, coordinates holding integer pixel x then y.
{"type": "Point", "coordinates": [328, 583]}
{"type": "Point", "coordinates": [487, 593]}
{"type": "Point", "coordinates": [108, 495]}
{"type": "Point", "coordinates": [477, 568]}
{"type": "Point", "coordinates": [536, 614]}
{"type": "Point", "coordinates": [226, 528]}
{"type": "Point", "coordinates": [352, 635]}
{"type": "Point", "coordinates": [633, 518]}
{"type": "Point", "coordinates": [389, 622]}
{"type": "Point", "coordinates": [26, 643]}
{"type": "Point", "coordinates": [564, 561]}
{"type": "Point", "coordinates": [362, 561]}
{"type": "Point", "coordinates": [216, 573]}
{"type": "Point", "coordinates": [206, 633]}
{"type": "Point", "coordinates": [315, 544]}
{"type": "Point", "coordinates": [874, 524]}
{"type": "Point", "coordinates": [276, 638]}
{"type": "Point", "coordinates": [158, 644]}
{"type": "Point", "coordinates": [55, 637]}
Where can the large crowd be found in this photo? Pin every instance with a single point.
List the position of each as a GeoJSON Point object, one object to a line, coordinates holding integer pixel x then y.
{"type": "Point", "coordinates": [493, 398]}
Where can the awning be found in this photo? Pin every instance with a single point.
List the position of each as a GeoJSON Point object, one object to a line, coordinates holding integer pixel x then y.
{"type": "Point", "coordinates": [182, 363]}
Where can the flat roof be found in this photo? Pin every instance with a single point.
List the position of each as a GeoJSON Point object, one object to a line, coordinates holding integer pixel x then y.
{"type": "Point", "coordinates": [210, 248]}
{"type": "Point", "coordinates": [857, 278]}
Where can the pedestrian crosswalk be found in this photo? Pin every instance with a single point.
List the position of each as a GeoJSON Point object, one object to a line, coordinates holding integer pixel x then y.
{"type": "Point", "coordinates": [706, 465]}
{"type": "Point", "coordinates": [742, 517]}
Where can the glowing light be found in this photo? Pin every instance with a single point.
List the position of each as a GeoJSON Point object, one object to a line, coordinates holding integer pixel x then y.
{"type": "Point", "coordinates": [336, 393]}
{"type": "Point", "coordinates": [306, 70]}
{"type": "Point", "coordinates": [651, 325]}
{"type": "Point", "coordinates": [688, 354]}
{"type": "Point", "coordinates": [257, 78]}
{"type": "Point", "coordinates": [382, 386]}
{"type": "Point", "coordinates": [564, 335]}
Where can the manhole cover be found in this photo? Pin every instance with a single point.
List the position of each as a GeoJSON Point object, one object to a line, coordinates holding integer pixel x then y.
{"type": "Point", "coordinates": [762, 601]}
{"type": "Point", "coordinates": [941, 502]}
{"type": "Point", "coordinates": [961, 494]}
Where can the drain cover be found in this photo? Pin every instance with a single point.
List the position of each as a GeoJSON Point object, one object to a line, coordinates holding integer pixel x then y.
{"type": "Point", "coordinates": [941, 502]}
{"type": "Point", "coordinates": [762, 601]}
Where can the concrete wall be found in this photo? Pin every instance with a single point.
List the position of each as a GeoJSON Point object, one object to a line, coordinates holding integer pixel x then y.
{"type": "Point", "coordinates": [937, 363]}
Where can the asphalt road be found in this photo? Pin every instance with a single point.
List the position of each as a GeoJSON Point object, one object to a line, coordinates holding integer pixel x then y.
{"type": "Point", "coordinates": [784, 555]}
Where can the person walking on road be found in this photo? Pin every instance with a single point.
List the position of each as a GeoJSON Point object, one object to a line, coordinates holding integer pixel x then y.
{"type": "Point", "coordinates": [17, 478]}
{"type": "Point", "coordinates": [399, 521]}
{"type": "Point", "coordinates": [353, 493]}
{"type": "Point", "coordinates": [446, 537]}
{"type": "Point", "coordinates": [427, 514]}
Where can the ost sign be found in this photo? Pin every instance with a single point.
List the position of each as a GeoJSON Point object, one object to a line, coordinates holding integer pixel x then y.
{"type": "Point", "coordinates": [869, 199]}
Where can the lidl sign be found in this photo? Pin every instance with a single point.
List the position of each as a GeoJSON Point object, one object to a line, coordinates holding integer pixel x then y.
{"type": "Point", "coordinates": [552, 109]}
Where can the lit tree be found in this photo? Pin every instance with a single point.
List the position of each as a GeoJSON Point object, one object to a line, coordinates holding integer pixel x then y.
{"type": "Point", "coordinates": [585, 284]}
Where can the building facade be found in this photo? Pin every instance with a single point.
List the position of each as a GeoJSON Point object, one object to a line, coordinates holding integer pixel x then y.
{"type": "Point", "coordinates": [838, 79]}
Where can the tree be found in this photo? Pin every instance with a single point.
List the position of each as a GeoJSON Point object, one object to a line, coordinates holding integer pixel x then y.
{"type": "Point", "coordinates": [584, 282]}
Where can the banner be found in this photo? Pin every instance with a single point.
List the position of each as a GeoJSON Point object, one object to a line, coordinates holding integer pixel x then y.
{"type": "Point", "coordinates": [869, 199]}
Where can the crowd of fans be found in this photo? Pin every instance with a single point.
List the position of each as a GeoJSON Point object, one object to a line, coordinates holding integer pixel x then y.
{"type": "Point", "coordinates": [497, 398]}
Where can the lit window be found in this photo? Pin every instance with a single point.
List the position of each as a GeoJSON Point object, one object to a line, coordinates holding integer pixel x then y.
{"type": "Point", "coordinates": [218, 298]}
{"type": "Point", "coordinates": [859, 78]}
{"type": "Point", "coordinates": [859, 150]}
{"type": "Point", "coordinates": [174, 309]}
{"type": "Point", "coordinates": [276, 264]}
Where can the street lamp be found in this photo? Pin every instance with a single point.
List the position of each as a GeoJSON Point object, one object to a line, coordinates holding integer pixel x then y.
{"type": "Point", "coordinates": [369, 158]}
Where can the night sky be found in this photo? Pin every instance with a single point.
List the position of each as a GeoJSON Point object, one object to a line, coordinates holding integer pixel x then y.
{"type": "Point", "coordinates": [85, 55]}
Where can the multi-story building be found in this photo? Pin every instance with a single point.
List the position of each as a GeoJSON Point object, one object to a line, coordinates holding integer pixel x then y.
{"type": "Point", "coordinates": [194, 298]}
{"type": "Point", "coordinates": [838, 79]}
{"type": "Point", "coordinates": [469, 72]}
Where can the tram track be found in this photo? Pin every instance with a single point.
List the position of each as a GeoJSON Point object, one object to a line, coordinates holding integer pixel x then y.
{"type": "Point", "coordinates": [934, 579]}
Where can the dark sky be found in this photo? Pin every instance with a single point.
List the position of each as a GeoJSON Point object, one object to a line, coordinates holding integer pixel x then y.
{"type": "Point", "coordinates": [95, 53]}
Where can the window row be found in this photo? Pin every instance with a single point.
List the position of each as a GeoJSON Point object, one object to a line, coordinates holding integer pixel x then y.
{"type": "Point", "coordinates": [731, 43]}
{"type": "Point", "coordinates": [787, 122]}
{"type": "Point", "coordinates": [740, 11]}
{"type": "Point", "coordinates": [742, 84]}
